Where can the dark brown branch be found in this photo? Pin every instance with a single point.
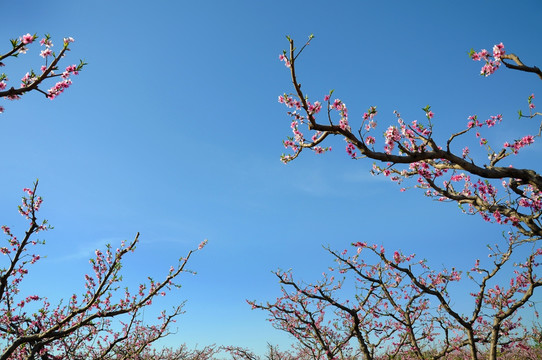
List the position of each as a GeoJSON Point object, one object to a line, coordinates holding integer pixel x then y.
{"type": "Point", "coordinates": [520, 65]}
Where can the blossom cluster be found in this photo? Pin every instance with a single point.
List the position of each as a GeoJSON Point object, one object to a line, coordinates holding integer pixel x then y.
{"type": "Point", "coordinates": [492, 63]}
{"type": "Point", "coordinates": [298, 140]}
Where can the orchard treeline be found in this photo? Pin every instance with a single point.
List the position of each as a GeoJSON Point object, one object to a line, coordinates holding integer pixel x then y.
{"type": "Point", "coordinates": [401, 308]}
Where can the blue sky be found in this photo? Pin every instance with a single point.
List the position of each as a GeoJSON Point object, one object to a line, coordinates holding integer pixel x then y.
{"type": "Point", "coordinates": [173, 130]}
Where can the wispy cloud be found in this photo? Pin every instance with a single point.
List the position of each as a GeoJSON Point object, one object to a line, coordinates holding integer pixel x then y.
{"type": "Point", "coordinates": [86, 251]}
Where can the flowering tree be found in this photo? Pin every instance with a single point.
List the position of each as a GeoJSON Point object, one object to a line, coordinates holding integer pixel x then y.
{"type": "Point", "coordinates": [103, 321]}
{"type": "Point", "coordinates": [402, 308]}
{"type": "Point", "coordinates": [411, 152]}
{"type": "Point", "coordinates": [83, 327]}
{"type": "Point", "coordinates": [32, 81]}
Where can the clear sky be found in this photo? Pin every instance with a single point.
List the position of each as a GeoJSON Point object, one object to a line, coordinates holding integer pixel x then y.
{"type": "Point", "coordinates": [173, 130]}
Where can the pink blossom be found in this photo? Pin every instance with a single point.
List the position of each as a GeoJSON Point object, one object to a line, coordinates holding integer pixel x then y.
{"type": "Point", "coordinates": [392, 134]}
{"type": "Point", "coordinates": [46, 42]}
{"type": "Point", "coordinates": [285, 59]}
{"type": "Point", "coordinates": [45, 53]}
{"type": "Point", "coordinates": [318, 149]}
{"type": "Point", "coordinates": [527, 140]}
{"type": "Point", "coordinates": [72, 69]}
{"type": "Point", "coordinates": [350, 150]}
{"type": "Point", "coordinates": [58, 88]}
{"type": "Point", "coordinates": [498, 51]}
{"type": "Point", "coordinates": [315, 108]}
{"type": "Point", "coordinates": [518, 144]}
{"type": "Point", "coordinates": [490, 67]}
{"type": "Point", "coordinates": [343, 124]}
{"type": "Point", "coordinates": [27, 39]}
{"type": "Point", "coordinates": [202, 244]}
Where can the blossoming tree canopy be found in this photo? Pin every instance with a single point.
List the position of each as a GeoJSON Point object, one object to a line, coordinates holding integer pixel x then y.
{"type": "Point", "coordinates": [499, 193]}
{"type": "Point", "coordinates": [82, 326]}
